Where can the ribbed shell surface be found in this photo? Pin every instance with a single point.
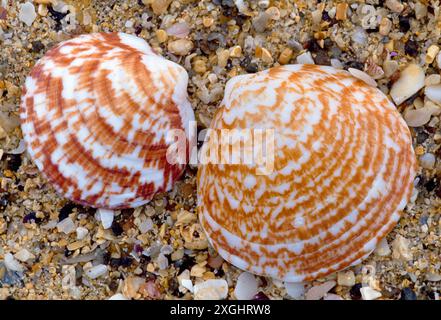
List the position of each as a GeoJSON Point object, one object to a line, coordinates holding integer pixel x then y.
{"type": "Point", "coordinates": [343, 172]}
{"type": "Point", "coordinates": [95, 113]}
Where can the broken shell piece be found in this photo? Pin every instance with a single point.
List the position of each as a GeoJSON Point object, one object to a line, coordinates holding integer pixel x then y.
{"type": "Point", "coordinates": [418, 117]}
{"type": "Point", "coordinates": [328, 125]}
{"type": "Point", "coordinates": [411, 80]}
{"type": "Point", "coordinates": [319, 291]}
{"type": "Point", "coordinates": [96, 115]}
{"type": "Point", "coordinates": [363, 76]}
{"type": "Point", "coordinates": [213, 289]}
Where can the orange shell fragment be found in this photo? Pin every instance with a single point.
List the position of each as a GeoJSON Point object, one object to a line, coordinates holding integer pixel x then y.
{"type": "Point", "coordinates": [343, 172]}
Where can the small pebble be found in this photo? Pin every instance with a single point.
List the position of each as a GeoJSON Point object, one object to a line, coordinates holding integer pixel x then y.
{"type": "Point", "coordinates": [394, 5]}
{"type": "Point", "coordinates": [355, 291]}
{"type": "Point", "coordinates": [400, 249]}
{"type": "Point", "coordinates": [12, 264]}
{"type": "Point", "coordinates": [81, 233]}
{"type": "Point", "coordinates": [305, 58]}
{"type": "Point", "coordinates": [433, 92]}
{"type": "Point", "coordinates": [295, 290]}
{"type": "Point", "coordinates": [24, 255]}
{"type": "Point", "coordinates": [66, 226]}
{"type": "Point", "coordinates": [408, 294]}
{"type": "Point", "coordinates": [96, 271]}
{"type": "Point", "coordinates": [27, 13]}
{"type": "Point", "coordinates": [246, 286]}
{"type": "Point", "coordinates": [106, 217]}
{"type": "Point", "coordinates": [367, 293]}
{"type": "Point", "coordinates": [427, 160]}
{"type": "Point", "coordinates": [213, 289]}
{"type": "Point", "coordinates": [346, 278]}
{"type": "Point", "coordinates": [180, 47]}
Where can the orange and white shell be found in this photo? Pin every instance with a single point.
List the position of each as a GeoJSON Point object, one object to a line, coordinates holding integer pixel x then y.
{"type": "Point", "coordinates": [343, 172]}
{"type": "Point", "coordinates": [95, 113]}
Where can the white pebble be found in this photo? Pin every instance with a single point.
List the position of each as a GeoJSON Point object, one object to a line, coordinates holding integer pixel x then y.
{"type": "Point", "coordinates": [129, 24]}
{"type": "Point", "coordinates": [411, 80]}
{"type": "Point", "coordinates": [66, 225]}
{"type": "Point", "coordinates": [27, 13]}
{"type": "Point", "coordinates": [305, 58]}
{"type": "Point", "coordinates": [367, 293]}
{"type": "Point", "coordinates": [246, 287]}
{"type": "Point", "coordinates": [96, 271]}
{"type": "Point", "coordinates": [318, 292]}
{"type": "Point", "coordinates": [295, 290]}
{"type": "Point", "coordinates": [346, 278]}
{"type": "Point", "coordinates": [24, 255]}
{"type": "Point", "coordinates": [106, 217]}
{"type": "Point", "coordinates": [12, 264]}
{"type": "Point", "coordinates": [81, 233]}
{"type": "Point", "coordinates": [433, 92]}
{"type": "Point", "coordinates": [118, 296]}
{"type": "Point", "coordinates": [213, 289]}
{"type": "Point", "coordinates": [427, 160]}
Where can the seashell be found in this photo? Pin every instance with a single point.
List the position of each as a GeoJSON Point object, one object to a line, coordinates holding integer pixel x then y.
{"type": "Point", "coordinates": [95, 115]}
{"type": "Point", "coordinates": [363, 76]}
{"type": "Point", "coordinates": [343, 171]}
{"type": "Point", "coordinates": [411, 80]}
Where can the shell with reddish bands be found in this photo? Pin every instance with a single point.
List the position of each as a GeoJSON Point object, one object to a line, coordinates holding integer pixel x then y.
{"type": "Point", "coordinates": [95, 115]}
{"type": "Point", "coordinates": [343, 172]}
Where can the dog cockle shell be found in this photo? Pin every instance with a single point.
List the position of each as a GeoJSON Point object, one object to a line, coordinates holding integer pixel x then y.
{"type": "Point", "coordinates": [343, 172]}
{"type": "Point", "coordinates": [95, 115]}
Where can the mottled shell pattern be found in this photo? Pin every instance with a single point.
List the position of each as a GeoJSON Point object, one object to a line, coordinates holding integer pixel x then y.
{"type": "Point", "coordinates": [95, 113]}
{"type": "Point", "coordinates": [343, 172]}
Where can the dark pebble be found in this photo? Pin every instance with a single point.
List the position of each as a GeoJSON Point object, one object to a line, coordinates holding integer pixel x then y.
{"type": "Point", "coordinates": [431, 185]}
{"type": "Point", "coordinates": [355, 65]}
{"type": "Point", "coordinates": [138, 29]}
{"type": "Point", "coordinates": [229, 65]}
{"type": "Point", "coordinates": [3, 202]}
{"type": "Point", "coordinates": [252, 68]}
{"type": "Point", "coordinates": [408, 294]}
{"type": "Point", "coordinates": [121, 262]}
{"type": "Point", "coordinates": [66, 211]}
{"type": "Point", "coordinates": [185, 263]}
{"type": "Point", "coordinates": [411, 48]}
{"type": "Point", "coordinates": [261, 296]}
{"type": "Point", "coordinates": [37, 46]}
{"type": "Point", "coordinates": [117, 229]}
{"type": "Point", "coordinates": [140, 3]}
{"type": "Point", "coordinates": [57, 16]}
{"type": "Point", "coordinates": [404, 22]}
{"type": "Point", "coordinates": [13, 162]}
{"type": "Point", "coordinates": [322, 58]}
{"type": "Point", "coordinates": [31, 217]}
{"type": "Point", "coordinates": [355, 291]}
{"type": "Point", "coordinates": [421, 137]}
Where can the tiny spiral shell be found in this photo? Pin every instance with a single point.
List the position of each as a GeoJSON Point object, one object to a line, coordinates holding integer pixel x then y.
{"type": "Point", "coordinates": [95, 115]}
{"type": "Point", "coordinates": [343, 172]}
